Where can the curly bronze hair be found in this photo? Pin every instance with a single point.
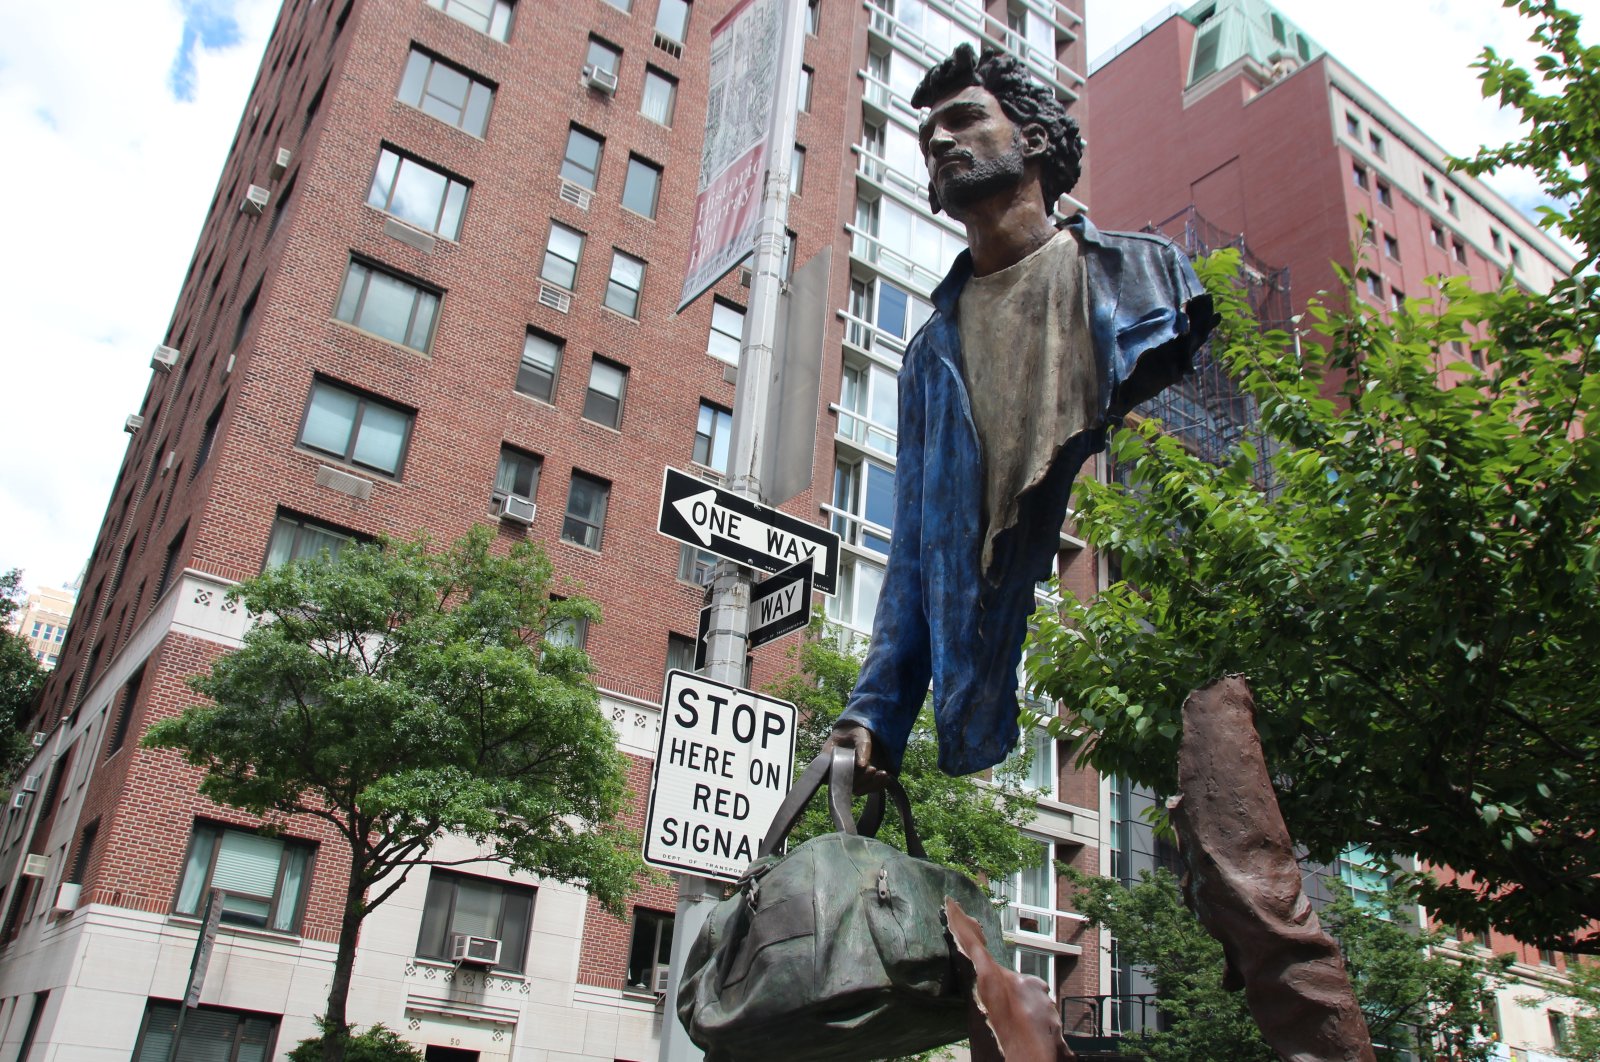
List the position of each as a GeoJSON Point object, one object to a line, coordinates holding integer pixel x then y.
{"type": "Point", "coordinates": [1023, 100]}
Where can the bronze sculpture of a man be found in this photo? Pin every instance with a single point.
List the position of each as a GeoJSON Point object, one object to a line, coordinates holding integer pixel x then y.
{"type": "Point", "coordinates": [1041, 338]}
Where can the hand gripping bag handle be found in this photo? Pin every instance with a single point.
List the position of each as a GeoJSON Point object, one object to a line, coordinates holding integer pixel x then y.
{"type": "Point", "coordinates": [839, 771]}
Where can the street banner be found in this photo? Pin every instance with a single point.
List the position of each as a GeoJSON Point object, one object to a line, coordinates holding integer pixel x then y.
{"type": "Point", "coordinates": [733, 156]}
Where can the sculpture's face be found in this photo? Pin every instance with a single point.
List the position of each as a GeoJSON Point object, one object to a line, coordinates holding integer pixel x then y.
{"type": "Point", "coordinates": [972, 149]}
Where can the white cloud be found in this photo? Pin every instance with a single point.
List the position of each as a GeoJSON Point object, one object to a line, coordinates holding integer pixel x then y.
{"type": "Point", "coordinates": [109, 182]}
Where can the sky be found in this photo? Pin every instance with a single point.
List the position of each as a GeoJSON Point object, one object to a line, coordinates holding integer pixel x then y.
{"type": "Point", "coordinates": [117, 116]}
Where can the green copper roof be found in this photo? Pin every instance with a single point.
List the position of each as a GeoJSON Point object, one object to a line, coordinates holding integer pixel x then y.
{"type": "Point", "coordinates": [1229, 30]}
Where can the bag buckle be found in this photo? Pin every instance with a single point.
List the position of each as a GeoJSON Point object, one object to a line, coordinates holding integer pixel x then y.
{"type": "Point", "coordinates": [883, 884]}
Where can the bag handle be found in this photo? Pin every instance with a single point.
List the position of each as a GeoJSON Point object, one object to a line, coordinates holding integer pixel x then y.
{"type": "Point", "coordinates": [839, 770]}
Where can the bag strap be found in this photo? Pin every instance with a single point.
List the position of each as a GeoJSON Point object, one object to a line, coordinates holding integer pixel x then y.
{"type": "Point", "coordinates": [839, 771]}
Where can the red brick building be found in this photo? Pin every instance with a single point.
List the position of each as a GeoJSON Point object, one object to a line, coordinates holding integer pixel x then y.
{"type": "Point", "coordinates": [1228, 119]}
{"type": "Point", "coordinates": [435, 287]}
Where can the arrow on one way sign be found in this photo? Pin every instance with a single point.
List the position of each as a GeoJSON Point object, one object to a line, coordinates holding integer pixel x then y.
{"type": "Point", "coordinates": [741, 530]}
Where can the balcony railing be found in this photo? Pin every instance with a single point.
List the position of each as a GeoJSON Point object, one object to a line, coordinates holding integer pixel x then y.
{"type": "Point", "coordinates": [1101, 1017]}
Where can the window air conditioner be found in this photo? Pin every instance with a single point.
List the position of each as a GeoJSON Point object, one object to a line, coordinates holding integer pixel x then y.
{"type": "Point", "coordinates": [165, 358]}
{"type": "Point", "coordinates": [19, 801]}
{"type": "Point", "coordinates": [466, 950]}
{"type": "Point", "coordinates": [598, 77]}
{"type": "Point", "coordinates": [30, 783]}
{"type": "Point", "coordinates": [36, 866]}
{"type": "Point", "coordinates": [280, 163]}
{"type": "Point", "coordinates": [255, 200]}
{"type": "Point", "coordinates": [40, 736]}
{"type": "Point", "coordinates": [663, 976]}
{"type": "Point", "coordinates": [67, 896]}
{"type": "Point", "coordinates": [517, 510]}
{"type": "Point", "coordinates": [133, 424]}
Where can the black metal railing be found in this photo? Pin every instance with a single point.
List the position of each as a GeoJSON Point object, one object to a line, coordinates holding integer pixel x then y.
{"type": "Point", "coordinates": [1104, 1017]}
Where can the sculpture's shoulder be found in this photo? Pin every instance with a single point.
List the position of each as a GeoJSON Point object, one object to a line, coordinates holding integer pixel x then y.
{"type": "Point", "coordinates": [1151, 244]}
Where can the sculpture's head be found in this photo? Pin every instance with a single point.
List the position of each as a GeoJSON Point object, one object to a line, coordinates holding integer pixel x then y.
{"type": "Point", "coordinates": [974, 151]}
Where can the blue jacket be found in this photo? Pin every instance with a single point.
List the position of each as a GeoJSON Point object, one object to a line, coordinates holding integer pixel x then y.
{"type": "Point", "coordinates": [938, 616]}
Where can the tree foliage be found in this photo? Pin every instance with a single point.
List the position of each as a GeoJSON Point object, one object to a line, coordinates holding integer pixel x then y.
{"type": "Point", "coordinates": [974, 828]}
{"type": "Point", "coordinates": [376, 1043]}
{"type": "Point", "coordinates": [1413, 998]}
{"type": "Point", "coordinates": [21, 679]}
{"type": "Point", "coordinates": [399, 694]}
{"type": "Point", "coordinates": [1416, 599]}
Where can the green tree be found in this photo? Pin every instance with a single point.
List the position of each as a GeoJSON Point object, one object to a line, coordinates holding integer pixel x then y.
{"type": "Point", "coordinates": [399, 694]}
{"type": "Point", "coordinates": [971, 827]}
{"type": "Point", "coordinates": [1583, 1033]}
{"type": "Point", "coordinates": [21, 679]}
{"type": "Point", "coordinates": [1416, 601]}
{"type": "Point", "coordinates": [1412, 997]}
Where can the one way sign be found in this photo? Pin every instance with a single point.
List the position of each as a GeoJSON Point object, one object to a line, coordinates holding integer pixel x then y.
{"type": "Point", "coordinates": [695, 512]}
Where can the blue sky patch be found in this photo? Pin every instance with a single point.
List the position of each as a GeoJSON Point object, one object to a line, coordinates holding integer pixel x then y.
{"type": "Point", "coordinates": [206, 24]}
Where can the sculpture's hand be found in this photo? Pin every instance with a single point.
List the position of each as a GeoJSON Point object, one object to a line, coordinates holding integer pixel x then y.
{"type": "Point", "coordinates": [870, 773]}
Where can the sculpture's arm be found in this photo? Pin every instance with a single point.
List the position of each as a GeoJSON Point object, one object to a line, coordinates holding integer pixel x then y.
{"type": "Point", "coordinates": [894, 677]}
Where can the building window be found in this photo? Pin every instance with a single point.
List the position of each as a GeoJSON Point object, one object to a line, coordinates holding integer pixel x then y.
{"type": "Point", "coordinates": [1397, 299]}
{"type": "Point", "coordinates": [569, 632]}
{"type": "Point", "coordinates": [1516, 254]}
{"type": "Point", "coordinates": [518, 474]}
{"type": "Point", "coordinates": [1458, 250]}
{"type": "Point", "coordinates": [642, 186]}
{"type": "Point", "coordinates": [208, 439]}
{"type": "Point", "coordinates": [381, 303]}
{"type": "Point", "coordinates": [860, 583]}
{"type": "Point", "coordinates": [1376, 143]}
{"type": "Point", "coordinates": [660, 95]}
{"type": "Point", "coordinates": [696, 565]}
{"type": "Point", "coordinates": [263, 880]}
{"type": "Point", "coordinates": [1436, 233]}
{"type": "Point", "coordinates": [813, 16]}
{"type": "Point", "coordinates": [1363, 875]}
{"type": "Point", "coordinates": [625, 6]}
{"type": "Point", "coordinates": [586, 511]}
{"type": "Point", "coordinates": [802, 96]}
{"type": "Point", "coordinates": [622, 287]}
{"type": "Point", "coordinates": [1430, 188]}
{"type": "Point", "coordinates": [1497, 240]}
{"type": "Point", "coordinates": [711, 437]}
{"type": "Point", "coordinates": [1041, 774]}
{"type": "Point", "coordinates": [869, 414]}
{"type": "Point", "coordinates": [1374, 285]}
{"type": "Point", "coordinates": [458, 905]}
{"type": "Point", "coordinates": [797, 170]}
{"type": "Point", "coordinates": [863, 503]}
{"type": "Point", "coordinates": [581, 164]}
{"type": "Point", "coordinates": [1547, 957]}
{"type": "Point", "coordinates": [1030, 896]}
{"type": "Point", "coordinates": [296, 538]}
{"type": "Point", "coordinates": [672, 20]}
{"type": "Point", "coordinates": [1359, 172]}
{"type": "Point", "coordinates": [541, 364]}
{"type": "Point", "coordinates": [561, 254]}
{"type": "Point", "coordinates": [608, 386]}
{"type": "Point", "coordinates": [1451, 205]}
{"type": "Point", "coordinates": [727, 332]}
{"type": "Point", "coordinates": [1391, 246]}
{"type": "Point", "coordinates": [418, 194]}
{"type": "Point", "coordinates": [491, 17]}
{"type": "Point", "coordinates": [169, 564]}
{"type": "Point", "coordinates": [356, 428]}
{"type": "Point", "coordinates": [215, 1034]}
{"type": "Point", "coordinates": [1558, 1030]}
{"type": "Point", "coordinates": [1352, 125]}
{"type": "Point", "coordinates": [680, 653]}
{"type": "Point", "coordinates": [245, 313]}
{"type": "Point", "coordinates": [651, 951]}
{"type": "Point", "coordinates": [35, 1013]}
{"type": "Point", "coordinates": [446, 92]}
{"type": "Point", "coordinates": [80, 860]}
{"type": "Point", "coordinates": [125, 703]}
{"type": "Point", "coordinates": [1385, 194]}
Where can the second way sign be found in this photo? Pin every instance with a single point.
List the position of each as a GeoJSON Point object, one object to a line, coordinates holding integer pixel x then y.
{"type": "Point", "coordinates": [721, 522]}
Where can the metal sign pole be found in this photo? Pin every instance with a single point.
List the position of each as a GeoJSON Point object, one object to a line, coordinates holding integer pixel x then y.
{"type": "Point", "coordinates": [730, 594]}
